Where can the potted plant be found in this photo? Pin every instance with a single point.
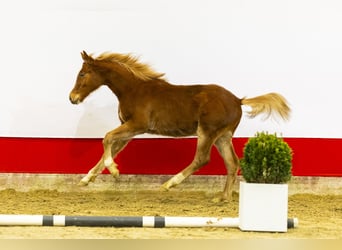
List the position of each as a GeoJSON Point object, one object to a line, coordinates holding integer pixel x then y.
{"type": "Point", "coordinates": [266, 167]}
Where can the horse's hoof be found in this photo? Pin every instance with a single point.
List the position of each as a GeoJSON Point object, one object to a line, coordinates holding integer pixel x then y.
{"type": "Point", "coordinates": [220, 200]}
{"type": "Point", "coordinates": [169, 184]}
{"type": "Point", "coordinates": [163, 188]}
{"type": "Point", "coordinates": [82, 183]}
{"type": "Point", "coordinates": [114, 171]}
{"type": "Point", "coordinates": [166, 186]}
{"type": "Point", "coordinates": [115, 174]}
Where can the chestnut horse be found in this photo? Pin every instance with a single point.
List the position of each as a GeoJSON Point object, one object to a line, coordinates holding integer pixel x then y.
{"type": "Point", "coordinates": [149, 104]}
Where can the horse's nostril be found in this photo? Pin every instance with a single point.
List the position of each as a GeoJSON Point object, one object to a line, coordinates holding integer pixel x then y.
{"type": "Point", "coordinates": [74, 99]}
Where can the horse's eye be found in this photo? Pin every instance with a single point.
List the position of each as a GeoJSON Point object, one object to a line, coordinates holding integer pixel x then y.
{"type": "Point", "coordinates": [81, 74]}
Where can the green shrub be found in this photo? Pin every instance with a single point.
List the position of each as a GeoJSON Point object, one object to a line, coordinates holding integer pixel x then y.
{"type": "Point", "coordinates": [267, 159]}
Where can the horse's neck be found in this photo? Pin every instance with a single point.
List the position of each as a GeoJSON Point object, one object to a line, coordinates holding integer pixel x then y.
{"type": "Point", "coordinates": [124, 84]}
{"type": "Point", "coordinates": [130, 88]}
{"type": "Point", "coordinates": [116, 89]}
{"type": "Point", "coordinates": [123, 87]}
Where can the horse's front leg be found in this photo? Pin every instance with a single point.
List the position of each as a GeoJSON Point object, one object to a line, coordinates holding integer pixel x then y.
{"type": "Point", "coordinates": [93, 173]}
{"type": "Point", "coordinates": [114, 142]}
{"type": "Point", "coordinates": [116, 147]}
{"type": "Point", "coordinates": [108, 161]}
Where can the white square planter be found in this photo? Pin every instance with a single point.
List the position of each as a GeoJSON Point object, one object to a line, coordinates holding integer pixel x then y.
{"type": "Point", "coordinates": [263, 207]}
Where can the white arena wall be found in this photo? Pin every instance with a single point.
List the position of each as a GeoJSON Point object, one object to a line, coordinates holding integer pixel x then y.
{"type": "Point", "coordinates": [250, 47]}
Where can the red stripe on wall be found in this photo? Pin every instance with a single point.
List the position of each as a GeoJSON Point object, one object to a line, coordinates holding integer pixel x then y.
{"type": "Point", "coordinates": [312, 156]}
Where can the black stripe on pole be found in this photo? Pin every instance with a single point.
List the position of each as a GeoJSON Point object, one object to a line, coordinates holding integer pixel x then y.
{"type": "Point", "coordinates": [103, 221]}
{"type": "Point", "coordinates": [290, 223]}
{"type": "Point", "coordinates": [47, 220]}
{"type": "Point", "coordinates": [159, 221]}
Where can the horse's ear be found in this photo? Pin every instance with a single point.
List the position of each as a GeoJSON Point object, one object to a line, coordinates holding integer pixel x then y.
{"type": "Point", "coordinates": [86, 58]}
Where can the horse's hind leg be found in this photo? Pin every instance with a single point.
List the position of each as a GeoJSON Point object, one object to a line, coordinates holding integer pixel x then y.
{"type": "Point", "coordinates": [202, 157]}
{"type": "Point", "coordinates": [226, 150]}
{"type": "Point", "coordinates": [116, 147]}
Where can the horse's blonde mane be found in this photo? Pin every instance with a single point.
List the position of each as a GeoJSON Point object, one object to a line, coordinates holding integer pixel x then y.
{"type": "Point", "coordinates": [140, 70]}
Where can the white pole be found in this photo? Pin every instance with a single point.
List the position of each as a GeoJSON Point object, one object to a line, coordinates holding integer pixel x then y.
{"type": "Point", "coordinates": [20, 220]}
{"type": "Point", "coordinates": [201, 222]}
{"type": "Point", "coordinates": [122, 221]}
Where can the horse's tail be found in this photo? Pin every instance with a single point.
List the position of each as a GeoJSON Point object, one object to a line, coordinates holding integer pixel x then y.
{"type": "Point", "coordinates": [268, 104]}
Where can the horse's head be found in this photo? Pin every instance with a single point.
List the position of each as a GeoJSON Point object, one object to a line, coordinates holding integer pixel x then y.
{"type": "Point", "coordinates": [87, 81]}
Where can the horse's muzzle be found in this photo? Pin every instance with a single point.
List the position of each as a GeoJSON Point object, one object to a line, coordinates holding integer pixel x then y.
{"type": "Point", "coordinates": [74, 98]}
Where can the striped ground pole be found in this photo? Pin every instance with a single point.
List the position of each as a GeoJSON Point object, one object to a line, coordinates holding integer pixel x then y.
{"type": "Point", "coordinates": [123, 221]}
